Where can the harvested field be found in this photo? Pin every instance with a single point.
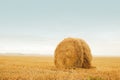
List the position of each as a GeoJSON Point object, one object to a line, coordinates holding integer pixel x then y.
{"type": "Point", "coordinates": [43, 68]}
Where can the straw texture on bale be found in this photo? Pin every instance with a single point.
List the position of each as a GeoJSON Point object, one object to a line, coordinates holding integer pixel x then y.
{"type": "Point", "coordinates": [73, 53]}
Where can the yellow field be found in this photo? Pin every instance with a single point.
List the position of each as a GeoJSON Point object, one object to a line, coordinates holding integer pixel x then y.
{"type": "Point", "coordinates": [43, 68]}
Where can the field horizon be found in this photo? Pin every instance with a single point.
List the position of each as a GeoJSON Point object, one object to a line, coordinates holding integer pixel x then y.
{"type": "Point", "coordinates": [31, 67]}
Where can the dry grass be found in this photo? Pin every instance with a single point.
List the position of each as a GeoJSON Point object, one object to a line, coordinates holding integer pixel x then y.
{"type": "Point", "coordinates": [43, 68]}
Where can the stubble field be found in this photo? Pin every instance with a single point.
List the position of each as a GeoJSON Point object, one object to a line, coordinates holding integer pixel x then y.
{"type": "Point", "coordinates": [43, 68]}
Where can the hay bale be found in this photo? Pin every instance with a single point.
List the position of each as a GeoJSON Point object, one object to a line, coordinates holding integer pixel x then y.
{"type": "Point", "coordinates": [73, 53]}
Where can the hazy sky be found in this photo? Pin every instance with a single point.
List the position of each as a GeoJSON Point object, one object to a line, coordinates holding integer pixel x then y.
{"type": "Point", "coordinates": [37, 26]}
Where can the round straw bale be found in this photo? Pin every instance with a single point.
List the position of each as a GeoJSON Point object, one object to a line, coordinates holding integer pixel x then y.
{"type": "Point", "coordinates": [72, 53]}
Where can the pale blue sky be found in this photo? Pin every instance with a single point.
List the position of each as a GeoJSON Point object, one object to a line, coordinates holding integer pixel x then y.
{"type": "Point", "coordinates": [37, 26]}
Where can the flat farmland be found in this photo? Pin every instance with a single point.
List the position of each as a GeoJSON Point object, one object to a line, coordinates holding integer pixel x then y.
{"type": "Point", "coordinates": [43, 68]}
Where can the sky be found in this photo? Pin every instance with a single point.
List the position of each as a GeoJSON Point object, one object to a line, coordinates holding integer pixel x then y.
{"type": "Point", "coordinates": [37, 26]}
